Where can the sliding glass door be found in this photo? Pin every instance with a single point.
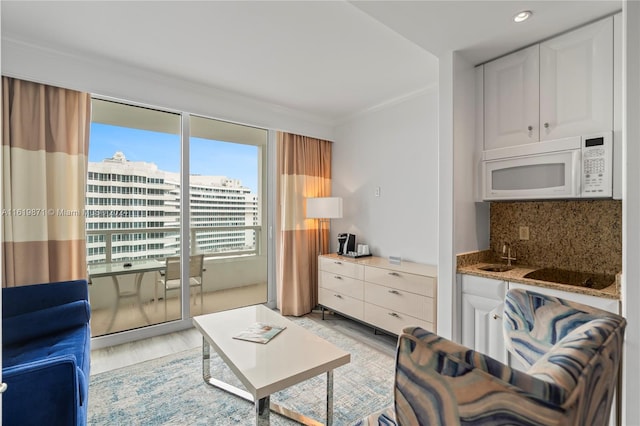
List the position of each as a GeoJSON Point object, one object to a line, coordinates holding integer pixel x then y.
{"type": "Point", "coordinates": [227, 205]}
{"type": "Point", "coordinates": [137, 184]}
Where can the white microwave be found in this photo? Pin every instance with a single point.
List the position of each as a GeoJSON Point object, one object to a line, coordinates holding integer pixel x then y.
{"type": "Point", "coordinates": [575, 167]}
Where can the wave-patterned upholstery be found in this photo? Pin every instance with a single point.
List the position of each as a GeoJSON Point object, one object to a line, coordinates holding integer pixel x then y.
{"type": "Point", "coordinates": [574, 355]}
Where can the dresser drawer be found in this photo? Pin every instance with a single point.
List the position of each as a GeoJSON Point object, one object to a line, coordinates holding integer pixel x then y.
{"type": "Point", "coordinates": [413, 283]}
{"type": "Point", "coordinates": [392, 321]}
{"type": "Point", "coordinates": [417, 306]}
{"type": "Point", "coordinates": [347, 269]}
{"type": "Point", "coordinates": [341, 303]}
{"type": "Point", "coordinates": [342, 284]}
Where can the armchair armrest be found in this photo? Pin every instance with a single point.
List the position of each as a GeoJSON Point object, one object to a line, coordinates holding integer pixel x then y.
{"type": "Point", "coordinates": [41, 391]}
{"type": "Point", "coordinates": [439, 382]}
{"type": "Point", "coordinates": [44, 322]}
{"type": "Point", "coordinates": [24, 299]}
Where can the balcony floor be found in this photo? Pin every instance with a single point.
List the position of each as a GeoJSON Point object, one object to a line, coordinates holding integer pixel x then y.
{"type": "Point", "coordinates": [128, 316]}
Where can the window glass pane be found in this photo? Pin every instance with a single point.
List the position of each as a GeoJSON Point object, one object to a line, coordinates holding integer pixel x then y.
{"type": "Point", "coordinates": [538, 176]}
{"type": "Point", "coordinates": [226, 180]}
{"type": "Point", "coordinates": [132, 214]}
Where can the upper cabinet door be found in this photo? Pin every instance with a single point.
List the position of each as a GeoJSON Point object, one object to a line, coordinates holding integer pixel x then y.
{"type": "Point", "coordinates": [511, 99]}
{"type": "Point", "coordinates": [576, 82]}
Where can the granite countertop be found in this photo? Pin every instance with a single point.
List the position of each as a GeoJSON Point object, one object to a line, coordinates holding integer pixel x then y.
{"type": "Point", "coordinates": [470, 263]}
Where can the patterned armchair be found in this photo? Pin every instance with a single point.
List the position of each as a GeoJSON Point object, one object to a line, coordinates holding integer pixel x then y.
{"type": "Point", "coordinates": [573, 356]}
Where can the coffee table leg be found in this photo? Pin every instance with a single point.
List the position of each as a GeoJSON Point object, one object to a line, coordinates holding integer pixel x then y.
{"type": "Point", "coordinates": [263, 406]}
{"type": "Point", "coordinates": [262, 411]}
{"type": "Point", "coordinates": [329, 397]}
{"type": "Point", "coordinates": [206, 375]}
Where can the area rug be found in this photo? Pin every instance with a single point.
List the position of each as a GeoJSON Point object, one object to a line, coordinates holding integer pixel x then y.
{"type": "Point", "coordinates": [171, 391]}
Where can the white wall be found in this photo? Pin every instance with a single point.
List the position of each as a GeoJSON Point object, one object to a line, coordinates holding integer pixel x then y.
{"type": "Point", "coordinates": [471, 218]}
{"type": "Point", "coordinates": [630, 214]}
{"type": "Point", "coordinates": [105, 78]}
{"type": "Point", "coordinates": [464, 223]}
{"type": "Point", "coordinates": [446, 251]}
{"type": "Point", "coordinates": [394, 148]}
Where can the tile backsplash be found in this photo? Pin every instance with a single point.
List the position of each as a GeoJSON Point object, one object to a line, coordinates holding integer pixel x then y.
{"type": "Point", "coordinates": [583, 235]}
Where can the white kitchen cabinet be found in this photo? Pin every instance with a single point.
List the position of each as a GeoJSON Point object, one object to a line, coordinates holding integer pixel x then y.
{"type": "Point", "coordinates": [559, 88]}
{"type": "Point", "coordinates": [388, 297]}
{"type": "Point", "coordinates": [576, 82]}
{"type": "Point", "coordinates": [511, 95]}
{"type": "Point", "coordinates": [482, 303]}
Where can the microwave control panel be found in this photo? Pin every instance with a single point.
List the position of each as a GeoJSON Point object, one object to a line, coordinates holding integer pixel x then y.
{"type": "Point", "coordinates": [596, 166]}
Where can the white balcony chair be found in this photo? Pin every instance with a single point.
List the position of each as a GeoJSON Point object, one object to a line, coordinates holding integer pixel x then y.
{"type": "Point", "coordinates": [171, 279]}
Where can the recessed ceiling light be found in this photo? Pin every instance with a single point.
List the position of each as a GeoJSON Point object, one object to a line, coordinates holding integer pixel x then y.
{"type": "Point", "coordinates": [523, 16]}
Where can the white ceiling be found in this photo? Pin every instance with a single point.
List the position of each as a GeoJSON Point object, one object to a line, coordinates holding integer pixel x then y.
{"type": "Point", "coordinates": [331, 59]}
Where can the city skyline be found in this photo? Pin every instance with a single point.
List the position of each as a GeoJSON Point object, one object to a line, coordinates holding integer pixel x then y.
{"type": "Point", "coordinates": [207, 157]}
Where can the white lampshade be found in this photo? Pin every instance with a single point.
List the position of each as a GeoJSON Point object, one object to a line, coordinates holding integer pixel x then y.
{"type": "Point", "coordinates": [324, 208]}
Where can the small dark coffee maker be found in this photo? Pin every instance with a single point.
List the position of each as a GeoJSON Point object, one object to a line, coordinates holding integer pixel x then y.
{"type": "Point", "coordinates": [346, 243]}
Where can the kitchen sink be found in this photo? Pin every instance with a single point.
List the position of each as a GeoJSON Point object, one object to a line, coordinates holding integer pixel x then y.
{"type": "Point", "coordinates": [496, 268]}
{"type": "Point", "coordinates": [575, 278]}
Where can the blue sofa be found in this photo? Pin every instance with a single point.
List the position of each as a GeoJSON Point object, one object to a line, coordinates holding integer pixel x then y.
{"type": "Point", "coordinates": [46, 354]}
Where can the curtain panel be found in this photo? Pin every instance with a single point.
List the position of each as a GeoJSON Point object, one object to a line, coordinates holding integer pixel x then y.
{"type": "Point", "coordinates": [304, 171]}
{"type": "Point", "coordinates": [45, 138]}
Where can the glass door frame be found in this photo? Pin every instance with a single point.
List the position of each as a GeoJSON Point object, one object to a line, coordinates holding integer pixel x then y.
{"type": "Point", "coordinates": [266, 189]}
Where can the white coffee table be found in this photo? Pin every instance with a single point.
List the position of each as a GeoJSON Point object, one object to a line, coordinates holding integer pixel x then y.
{"type": "Point", "coordinates": [289, 358]}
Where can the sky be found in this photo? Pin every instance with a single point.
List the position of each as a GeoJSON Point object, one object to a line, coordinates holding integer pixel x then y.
{"type": "Point", "coordinates": [211, 158]}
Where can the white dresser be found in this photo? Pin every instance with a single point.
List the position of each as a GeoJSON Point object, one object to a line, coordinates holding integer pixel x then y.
{"type": "Point", "coordinates": [386, 296]}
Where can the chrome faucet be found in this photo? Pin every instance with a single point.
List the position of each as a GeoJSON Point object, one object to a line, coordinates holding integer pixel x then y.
{"type": "Point", "coordinates": [506, 250]}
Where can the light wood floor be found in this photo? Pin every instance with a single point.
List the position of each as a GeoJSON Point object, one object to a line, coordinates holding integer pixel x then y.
{"type": "Point", "coordinates": [114, 357]}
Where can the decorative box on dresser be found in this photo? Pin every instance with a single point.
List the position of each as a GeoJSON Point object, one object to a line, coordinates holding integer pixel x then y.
{"type": "Point", "coordinates": [386, 296]}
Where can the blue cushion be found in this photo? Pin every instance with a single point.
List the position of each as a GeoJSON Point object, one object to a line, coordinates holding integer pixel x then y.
{"type": "Point", "coordinates": [72, 342]}
{"type": "Point", "coordinates": [28, 298]}
{"type": "Point", "coordinates": [44, 322]}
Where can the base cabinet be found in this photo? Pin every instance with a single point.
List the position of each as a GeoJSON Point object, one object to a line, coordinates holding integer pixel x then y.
{"type": "Point", "coordinates": [386, 296]}
{"type": "Point", "coordinates": [481, 306]}
{"type": "Point", "coordinates": [482, 303]}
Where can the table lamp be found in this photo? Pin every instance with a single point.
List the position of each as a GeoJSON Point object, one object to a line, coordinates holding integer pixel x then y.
{"type": "Point", "coordinates": [324, 209]}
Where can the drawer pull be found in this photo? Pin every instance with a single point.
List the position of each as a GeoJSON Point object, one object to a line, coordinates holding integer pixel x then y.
{"type": "Point", "coordinates": [394, 274]}
{"type": "Point", "coordinates": [337, 277]}
{"type": "Point", "coordinates": [393, 314]}
{"type": "Point", "coordinates": [337, 263]}
{"type": "Point", "coordinates": [338, 296]}
{"type": "Point", "coordinates": [394, 292]}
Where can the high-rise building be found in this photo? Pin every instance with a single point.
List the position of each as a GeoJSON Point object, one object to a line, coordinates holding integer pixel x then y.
{"type": "Point", "coordinates": [133, 212]}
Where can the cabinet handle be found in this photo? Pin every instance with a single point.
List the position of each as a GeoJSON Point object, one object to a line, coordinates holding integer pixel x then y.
{"type": "Point", "coordinates": [393, 314]}
{"type": "Point", "coordinates": [530, 128]}
{"type": "Point", "coordinates": [3, 387]}
{"type": "Point", "coordinates": [546, 125]}
{"type": "Point", "coordinates": [394, 292]}
{"type": "Point", "coordinates": [394, 274]}
{"type": "Point", "coordinates": [496, 316]}
{"type": "Point", "coordinates": [338, 296]}
{"type": "Point", "coordinates": [337, 263]}
{"type": "Point", "coordinates": [337, 277]}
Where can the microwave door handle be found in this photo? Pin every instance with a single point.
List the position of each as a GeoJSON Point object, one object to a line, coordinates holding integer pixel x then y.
{"type": "Point", "coordinates": [577, 173]}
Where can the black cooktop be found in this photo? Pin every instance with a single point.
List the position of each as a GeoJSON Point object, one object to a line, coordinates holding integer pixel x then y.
{"type": "Point", "coordinates": [576, 278]}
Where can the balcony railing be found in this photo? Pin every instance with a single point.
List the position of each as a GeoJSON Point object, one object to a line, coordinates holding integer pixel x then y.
{"type": "Point", "coordinates": [170, 242]}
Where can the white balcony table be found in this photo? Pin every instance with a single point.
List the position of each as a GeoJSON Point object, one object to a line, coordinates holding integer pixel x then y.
{"type": "Point", "coordinates": [115, 269]}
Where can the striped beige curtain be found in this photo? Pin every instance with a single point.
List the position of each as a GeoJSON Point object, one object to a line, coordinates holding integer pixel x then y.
{"type": "Point", "coordinates": [45, 137]}
{"type": "Point", "coordinates": [304, 170]}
